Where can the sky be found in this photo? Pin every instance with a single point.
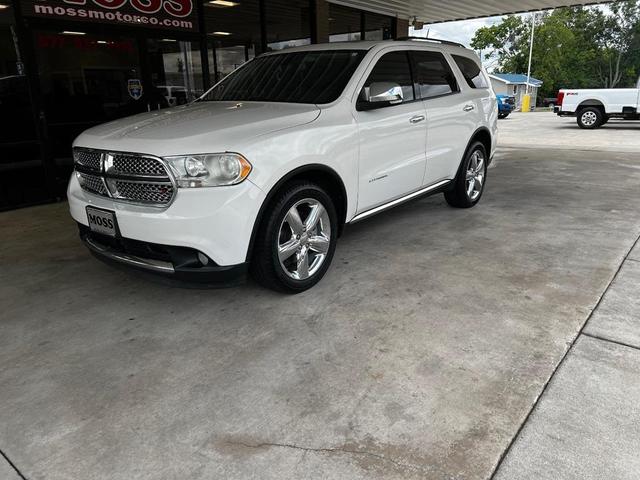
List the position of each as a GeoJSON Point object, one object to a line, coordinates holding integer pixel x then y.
{"type": "Point", "coordinates": [463, 31]}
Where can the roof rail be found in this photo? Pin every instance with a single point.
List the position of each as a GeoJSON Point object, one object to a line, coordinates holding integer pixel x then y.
{"type": "Point", "coordinates": [429, 39]}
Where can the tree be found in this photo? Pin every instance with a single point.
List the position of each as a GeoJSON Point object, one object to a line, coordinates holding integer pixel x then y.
{"type": "Point", "coordinates": [578, 47]}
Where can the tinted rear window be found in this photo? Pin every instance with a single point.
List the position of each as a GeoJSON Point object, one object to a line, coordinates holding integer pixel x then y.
{"type": "Point", "coordinates": [297, 77]}
{"type": "Point", "coordinates": [471, 72]}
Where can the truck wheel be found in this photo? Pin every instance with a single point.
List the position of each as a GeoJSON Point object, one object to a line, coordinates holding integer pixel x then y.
{"type": "Point", "coordinates": [470, 180]}
{"type": "Point", "coordinates": [590, 118]}
{"type": "Point", "coordinates": [297, 239]}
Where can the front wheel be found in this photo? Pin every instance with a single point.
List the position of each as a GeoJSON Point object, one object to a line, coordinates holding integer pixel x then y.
{"type": "Point", "coordinates": [297, 239]}
{"type": "Point", "coordinates": [469, 183]}
{"type": "Point", "coordinates": [590, 118]}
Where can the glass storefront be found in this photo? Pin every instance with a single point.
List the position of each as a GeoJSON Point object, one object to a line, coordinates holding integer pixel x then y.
{"type": "Point", "coordinates": [288, 23]}
{"type": "Point", "coordinates": [345, 24]}
{"type": "Point", "coordinates": [176, 71]}
{"type": "Point", "coordinates": [350, 25]}
{"type": "Point", "coordinates": [84, 80]}
{"type": "Point", "coordinates": [86, 72]}
{"type": "Point", "coordinates": [22, 172]}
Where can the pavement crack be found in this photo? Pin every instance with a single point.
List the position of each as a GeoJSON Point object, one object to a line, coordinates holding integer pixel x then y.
{"type": "Point", "coordinates": [13, 465]}
{"type": "Point", "coordinates": [331, 450]}
{"type": "Point", "coordinates": [610, 340]}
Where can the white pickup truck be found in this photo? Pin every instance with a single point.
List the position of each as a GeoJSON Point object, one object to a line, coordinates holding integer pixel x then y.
{"type": "Point", "coordinates": [594, 107]}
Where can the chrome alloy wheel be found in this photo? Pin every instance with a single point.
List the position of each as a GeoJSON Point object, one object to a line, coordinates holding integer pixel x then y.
{"type": "Point", "coordinates": [303, 244]}
{"type": "Point", "coordinates": [589, 118]}
{"type": "Point", "coordinates": [475, 175]}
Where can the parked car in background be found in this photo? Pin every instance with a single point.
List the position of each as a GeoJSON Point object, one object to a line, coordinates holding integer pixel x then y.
{"type": "Point", "coordinates": [549, 101]}
{"type": "Point", "coordinates": [263, 171]}
{"type": "Point", "coordinates": [594, 107]}
{"type": "Point", "coordinates": [506, 105]}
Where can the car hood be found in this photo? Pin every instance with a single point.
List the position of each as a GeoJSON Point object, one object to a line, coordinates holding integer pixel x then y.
{"type": "Point", "coordinates": [201, 127]}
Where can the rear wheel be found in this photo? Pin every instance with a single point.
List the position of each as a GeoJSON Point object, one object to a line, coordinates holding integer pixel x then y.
{"type": "Point", "coordinates": [590, 118]}
{"type": "Point", "coordinates": [469, 183]}
{"type": "Point", "coordinates": [296, 241]}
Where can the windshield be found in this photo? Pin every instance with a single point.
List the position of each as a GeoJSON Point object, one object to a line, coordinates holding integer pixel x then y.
{"type": "Point", "coordinates": [297, 77]}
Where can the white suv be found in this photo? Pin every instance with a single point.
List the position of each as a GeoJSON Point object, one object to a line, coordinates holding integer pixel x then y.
{"type": "Point", "coordinates": [263, 171]}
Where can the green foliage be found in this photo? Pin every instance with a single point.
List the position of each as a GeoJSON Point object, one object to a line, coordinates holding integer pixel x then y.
{"type": "Point", "coordinates": [577, 47]}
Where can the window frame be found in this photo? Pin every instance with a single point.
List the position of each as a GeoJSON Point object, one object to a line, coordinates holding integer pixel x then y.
{"type": "Point", "coordinates": [374, 62]}
{"type": "Point", "coordinates": [447, 63]}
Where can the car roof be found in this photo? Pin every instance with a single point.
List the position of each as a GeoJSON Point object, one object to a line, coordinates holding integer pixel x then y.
{"type": "Point", "coordinates": [370, 44]}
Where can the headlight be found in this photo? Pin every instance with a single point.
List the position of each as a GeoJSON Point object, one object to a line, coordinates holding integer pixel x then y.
{"type": "Point", "coordinates": [209, 170]}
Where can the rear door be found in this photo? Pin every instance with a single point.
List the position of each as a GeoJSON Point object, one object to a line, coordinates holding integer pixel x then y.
{"type": "Point", "coordinates": [453, 113]}
{"type": "Point", "coordinates": [392, 138]}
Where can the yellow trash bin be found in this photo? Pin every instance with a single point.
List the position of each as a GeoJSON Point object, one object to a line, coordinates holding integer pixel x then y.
{"type": "Point", "coordinates": [526, 103]}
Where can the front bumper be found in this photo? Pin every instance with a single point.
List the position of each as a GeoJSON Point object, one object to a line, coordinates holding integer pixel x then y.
{"type": "Point", "coordinates": [177, 263]}
{"type": "Point", "coordinates": [216, 221]}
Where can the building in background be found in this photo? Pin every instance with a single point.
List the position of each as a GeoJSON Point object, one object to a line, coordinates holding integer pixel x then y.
{"type": "Point", "coordinates": [515, 84]}
{"type": "Point", "coordinates": [67, 65]}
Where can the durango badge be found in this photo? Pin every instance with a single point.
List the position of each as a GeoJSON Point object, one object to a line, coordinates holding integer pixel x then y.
{"type": "Point", "coordinates": [134, 87]}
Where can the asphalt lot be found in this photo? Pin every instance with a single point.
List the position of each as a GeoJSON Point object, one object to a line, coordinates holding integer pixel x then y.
{"type": "Point", "coordinates": [426, 352]}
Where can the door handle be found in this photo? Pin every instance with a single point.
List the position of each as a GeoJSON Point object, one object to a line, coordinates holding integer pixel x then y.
{"type": "Point", "coordinates": [468, 108]}
{"type": "Point", "coordinates": [417, 119]}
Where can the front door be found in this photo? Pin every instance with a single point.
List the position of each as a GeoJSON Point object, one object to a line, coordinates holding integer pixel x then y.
{"type": "Point", "coordinates": [392, 138]}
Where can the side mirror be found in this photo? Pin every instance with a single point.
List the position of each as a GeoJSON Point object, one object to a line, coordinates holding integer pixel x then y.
{"type": "Point", "coordinates": [380, 94]}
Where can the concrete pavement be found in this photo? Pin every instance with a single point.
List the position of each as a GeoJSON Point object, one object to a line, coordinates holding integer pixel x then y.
{"type": "Point", "coordinates": [420, 354]}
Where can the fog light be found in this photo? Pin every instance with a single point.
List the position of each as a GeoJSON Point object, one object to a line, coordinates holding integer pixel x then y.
{"type": "Point", "coordinates": [203, 258]}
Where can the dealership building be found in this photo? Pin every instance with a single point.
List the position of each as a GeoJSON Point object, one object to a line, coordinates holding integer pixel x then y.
{"type": "Point", "coordinates": [66, 65]}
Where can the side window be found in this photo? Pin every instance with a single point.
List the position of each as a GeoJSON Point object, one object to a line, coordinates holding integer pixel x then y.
{"type": "Point", "coordinates": [433, 74]}
{"type": "Point", "coordinates": [471, 72]}
{"type": "Point", "coordinates": [392, 67]}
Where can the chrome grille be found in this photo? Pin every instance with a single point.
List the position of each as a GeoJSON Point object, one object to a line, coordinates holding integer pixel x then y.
{"type": "Point", "coordinates": [129, 177]}
{"type": "Point", "coordinates": [146, 192]}
{"type": "Point", "coordinates": [92, 183]}
{"type": "Point", "coordinates": [88, 158]}
{"type": "Point", "coordinates": [136, 165]}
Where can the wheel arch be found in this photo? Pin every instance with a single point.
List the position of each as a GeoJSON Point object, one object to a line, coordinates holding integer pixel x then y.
{"type": "Point", "coordinates": [591, 102]}
{"type": "Point", "coordinates": [482, 135]}
{"type": "Point", "coordinates": [320, 174]}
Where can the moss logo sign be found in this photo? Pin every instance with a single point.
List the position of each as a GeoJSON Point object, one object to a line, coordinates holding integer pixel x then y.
{"type": "Point", "coordinates": [166, 14]}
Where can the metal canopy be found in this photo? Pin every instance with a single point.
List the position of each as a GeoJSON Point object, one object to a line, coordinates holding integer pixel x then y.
{"type": "Point", "coordinates": [435, 11]}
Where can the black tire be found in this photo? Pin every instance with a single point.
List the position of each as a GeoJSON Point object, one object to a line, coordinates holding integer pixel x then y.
{"type": "Point", "coordinates": [458, 196]}
{"type": "Point", "coordinates": [266, 267]}
{"type": "Point", "coordinates": [606, 119]}
{"type": "Point", "coordinates": [590, 118]}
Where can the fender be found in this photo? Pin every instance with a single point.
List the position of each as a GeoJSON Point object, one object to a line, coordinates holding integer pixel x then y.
{"type": "Point", "coordinates": [292, 174]}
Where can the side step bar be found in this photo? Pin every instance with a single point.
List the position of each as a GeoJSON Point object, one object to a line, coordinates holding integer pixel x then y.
{"type": "Point", "coordinates": [398, 201]}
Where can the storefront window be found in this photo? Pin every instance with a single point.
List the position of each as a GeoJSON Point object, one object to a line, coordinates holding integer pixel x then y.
{"type": "Point", "coordinates": [22, 178]}
{"type": "Point", "coordinates": [227, 59]}
{"type": "Point", "coordinates": [345, 24]}
{"type": "Point", "coordinates": [288, 23]}
{"type": "Point", "coordinates": [235, 33]}
{"type": "Point", "coordinates": [86, 79]}
{"type": "Point", "coordinates": [176, 72]}
{"type": "Point", "coordinates": [377, 27]}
